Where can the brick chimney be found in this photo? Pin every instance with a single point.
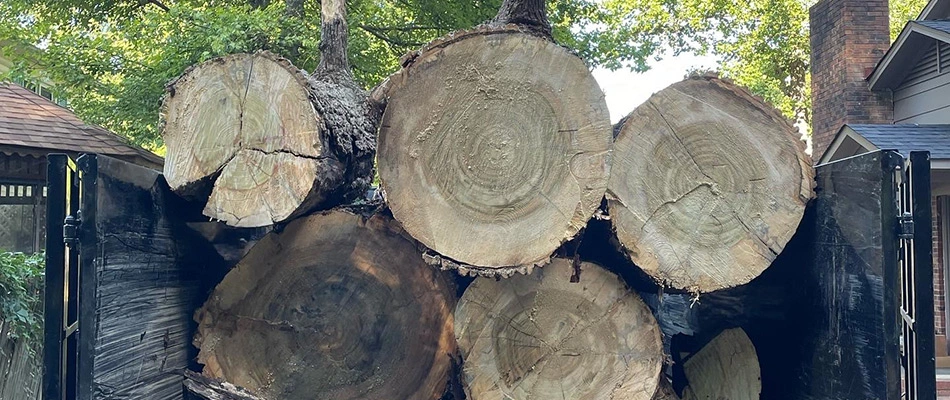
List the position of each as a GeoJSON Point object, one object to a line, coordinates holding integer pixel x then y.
{"type": "Point", "coordinates": [848, 38]}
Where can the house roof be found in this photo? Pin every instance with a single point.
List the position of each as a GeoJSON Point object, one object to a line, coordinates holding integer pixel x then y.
{"type": "Point", "coordinates": [935, 9]}
{"type": "Point", "coordinates": [907, 49]}
{"type": "Point", "coordinates": [858, 139]}
{"type": "Point", "coordinates": [30, 120]}
{"type": "Point", "coordinates": [906, 138]}
{"type": "Point", "coordinates": [942, 25]}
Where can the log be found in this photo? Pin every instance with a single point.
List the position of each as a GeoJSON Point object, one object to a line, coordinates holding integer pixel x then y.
{"type": "Point", "coordinates": [726, 368]}
{"type": "Point", "coordinates": [709, 185]}
{"type": "Point", "coordinates": [274, 142]}
{"type": "Point", "coordinates": [542, 336]}
{"type": "Point", "coordinates": [334, 306]}
{"type": "Point", "coordinates": [494, 145]}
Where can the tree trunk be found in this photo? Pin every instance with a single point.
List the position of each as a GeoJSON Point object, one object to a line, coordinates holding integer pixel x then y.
{"type": "Point", "coordinates": [493, 149]}
{"type": "Point", "coordinates": [527, 13]}
{"type": "Point", "coordinates": [542, 336]}
{"type": "Point", "coordinates": [333, 306]}
{"type": "Point", "coordinates": [274, 143]}
{"type": "Point", "coordinates": [726, 368]}
{"type": "Point", "coordinates": [709, 185]}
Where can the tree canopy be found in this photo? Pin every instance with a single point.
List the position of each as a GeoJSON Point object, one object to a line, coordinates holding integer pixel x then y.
{"type": "Point", "coordinates": [111, 58]}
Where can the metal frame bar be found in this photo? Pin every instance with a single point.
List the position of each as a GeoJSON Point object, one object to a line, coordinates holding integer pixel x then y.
{"type": "Point", "coordinates": [890, 167]}
{"type": "Point", "coordinates": [923, 283]}
{"type": "Point", "coordinates": [54, 307]}
{"type": "Point", "coordinates": [88, 242]}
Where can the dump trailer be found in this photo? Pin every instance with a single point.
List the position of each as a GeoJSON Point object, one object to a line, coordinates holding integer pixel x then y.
{"type": "Point", "coordinates": [845, 312]}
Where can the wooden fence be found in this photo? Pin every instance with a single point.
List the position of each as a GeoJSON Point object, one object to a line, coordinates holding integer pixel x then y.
{"type": "Point", "coordinates": [20, 371]}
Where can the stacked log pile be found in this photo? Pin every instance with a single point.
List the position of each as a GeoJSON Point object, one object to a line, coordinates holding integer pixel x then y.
{"type": "Point", "coordinates": [523, 249]}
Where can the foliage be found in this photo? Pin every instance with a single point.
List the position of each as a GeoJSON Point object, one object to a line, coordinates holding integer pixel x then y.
{"type": "Point", "coordinates": [21, 291]}
{"type": "Point", "coordinates": [112, 58]}
{"type": "Point", "coordinates": [903, 11]}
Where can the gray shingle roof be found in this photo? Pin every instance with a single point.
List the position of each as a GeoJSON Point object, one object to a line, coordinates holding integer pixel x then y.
{"type": "Point", "coordinates": [906, 138]}
{"type": "Point", "coordinates": [942, 25]}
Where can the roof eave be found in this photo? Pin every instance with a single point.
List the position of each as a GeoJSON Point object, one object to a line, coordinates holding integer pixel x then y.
{"type": "Point", "coordinates": [888, 73]}
{"type": "Point", "coordinates": [845, 132]}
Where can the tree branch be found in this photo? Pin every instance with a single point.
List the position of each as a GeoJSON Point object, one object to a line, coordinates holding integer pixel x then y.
{"type": "Point", "coordinates": [156, 3]}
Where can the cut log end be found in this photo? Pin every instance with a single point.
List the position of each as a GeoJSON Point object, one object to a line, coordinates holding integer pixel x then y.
{"type": "Point", "coordinates": [726, 368]}
{"type": "Point", "coordinates": [252, 136]}
{"type": "Point", "coordinates": [541, 336]}
{"type": "Point", "coordinates": [333, 306]}
{"type": "Point", "coordinates": [709, 184]}
{"type": "Point", "coordinates": [493, 149]}
{"type": "Point", "coordinates": [245, 123]}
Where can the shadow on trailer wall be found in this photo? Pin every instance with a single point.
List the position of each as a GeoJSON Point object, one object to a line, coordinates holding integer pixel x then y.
{"type": "Point", "coordinates": [829, 319]}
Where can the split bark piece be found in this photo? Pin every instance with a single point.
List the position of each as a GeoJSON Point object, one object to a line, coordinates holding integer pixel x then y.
{"type": "Point", "coordinates": [332, 307]}
{"type": "Point", "coordinates": [709, 185]}
{"type": "Point", "coordinates": [201, 387]}
{"type": "Point", "coordinates": [494, 147]}
{"type": "Point", "coordinates": [274, 143]}
{"type": "Point", "coordinates": [542, 337]}
{"type": "Point", "coordinates": [726, 368]}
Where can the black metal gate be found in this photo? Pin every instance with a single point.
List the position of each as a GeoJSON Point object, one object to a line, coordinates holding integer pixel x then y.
{"type": "Point", "coordinates": [916, 278]}
{"type": "Point", "coordinates": [65, 305]}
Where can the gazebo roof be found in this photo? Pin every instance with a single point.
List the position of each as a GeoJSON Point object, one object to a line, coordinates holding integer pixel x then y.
{"type": "Point", "coordinates": [30, 121]}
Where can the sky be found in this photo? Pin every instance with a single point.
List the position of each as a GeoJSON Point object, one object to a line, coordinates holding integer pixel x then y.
{"type": "Point", "coordinates": [625, 90]}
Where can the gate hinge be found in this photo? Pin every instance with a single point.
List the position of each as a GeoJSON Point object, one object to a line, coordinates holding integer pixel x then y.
{"type": "Point", "coordinates": [71, 230]}
{"type": "Point", "coordinates": [906, 223]}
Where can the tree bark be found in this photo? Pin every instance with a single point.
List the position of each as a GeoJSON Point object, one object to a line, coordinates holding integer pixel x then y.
{"type": "Point", "coordinates": [542, 336]}
{"type": "Point", "coordinates": [527, 13]}
{"type": "Point", "coordinates": [494, 149]}
{"type": "Point", "coordinates": [709, 185]}
{"type": "Point", "coordinates": [333, 39]}
{"type": "Point", "coordinates": [274, 143]}
{"type": "Point", "coordinates": [726, 368]}
{"type": "Point", "coordinates": [333, 306]}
